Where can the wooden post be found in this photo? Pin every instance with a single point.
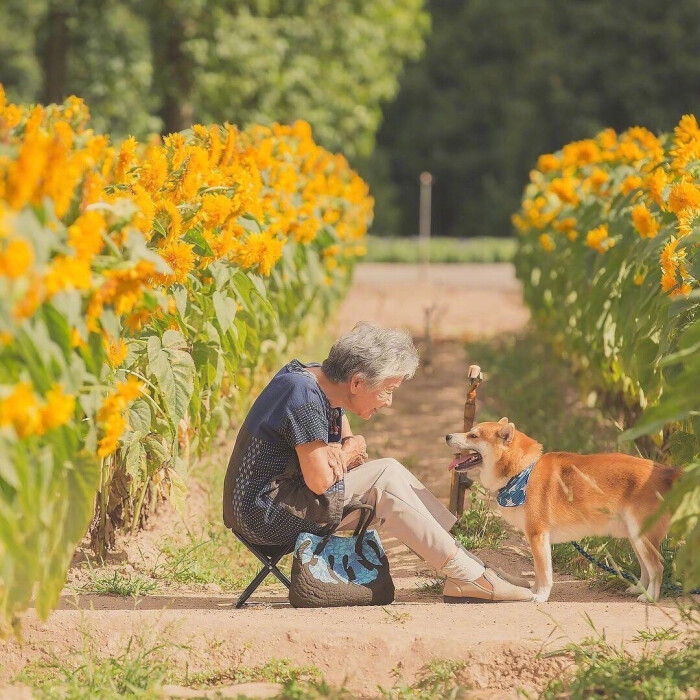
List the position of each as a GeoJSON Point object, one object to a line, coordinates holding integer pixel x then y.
{"type": "Point", "coordinates": [461, 482]}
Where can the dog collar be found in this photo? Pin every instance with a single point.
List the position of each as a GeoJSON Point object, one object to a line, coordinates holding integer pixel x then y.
{"type": "Point", "coordinates": [513, 493]}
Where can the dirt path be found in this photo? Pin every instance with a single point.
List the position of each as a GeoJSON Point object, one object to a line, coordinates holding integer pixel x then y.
{"type": "Point", "coordinates": [365, 647]}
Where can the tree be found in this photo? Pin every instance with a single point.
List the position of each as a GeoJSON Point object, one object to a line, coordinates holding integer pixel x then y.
{"type": "Point", "coordinates": [503, 81]}
{"type": "Point", "coordinates": [146, 65]}
{"type": "Point", "coordinates": [20, 70]}
{"type": "Point", "coordinates": [331, 62]}
{"type": "Point", "coordinates": [96, 49]}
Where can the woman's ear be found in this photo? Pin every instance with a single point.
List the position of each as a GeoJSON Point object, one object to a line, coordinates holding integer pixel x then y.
{"type": "Point", "coordinates": [355, 383]}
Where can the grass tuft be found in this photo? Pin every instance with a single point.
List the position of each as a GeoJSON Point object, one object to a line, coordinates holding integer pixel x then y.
{"type": "Point", "coordinates": [276, 671]}
{"type": "Point", "coordinates": [480, 527]}
{"type": "Point", "coordinates": [137, 672]}
{"type": "Point", "coordinates": [605, 670]}
{"type": "Point", "coordinates": [119, 583]}
{"type": "Point", "coordinates": [215, 556]}
{"type": "Point", "coordinates": [433, 585]}
{"type": "Point", "coordinates": [438, 679]}
{"type": "Point", "coordinates": [614, 553]}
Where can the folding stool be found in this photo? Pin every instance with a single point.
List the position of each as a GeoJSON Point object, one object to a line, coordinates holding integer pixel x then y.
{"type": "Point", "coordinates": [269, 555]}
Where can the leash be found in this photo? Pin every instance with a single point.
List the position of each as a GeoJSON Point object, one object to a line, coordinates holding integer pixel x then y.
{"type": "Point", "coordinates": [618, 572]}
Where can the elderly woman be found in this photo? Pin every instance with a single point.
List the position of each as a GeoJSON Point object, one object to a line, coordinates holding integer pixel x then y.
{"type": "Point", "coordinates": [296, 463]}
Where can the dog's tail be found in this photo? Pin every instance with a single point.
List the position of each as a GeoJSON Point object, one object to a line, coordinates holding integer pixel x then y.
{"type": "Point", "coordinates": [667, 475]}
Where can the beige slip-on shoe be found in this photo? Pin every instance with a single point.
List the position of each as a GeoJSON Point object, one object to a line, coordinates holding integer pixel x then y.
{"type": "Point", "coordinates": [488, 587]}
{"type": "Point", "coordinates": [511, 578]}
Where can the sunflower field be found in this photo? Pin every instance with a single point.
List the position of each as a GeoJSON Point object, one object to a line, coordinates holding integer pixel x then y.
{"type": "Point", "coordinates": [609, 256]}
{"type": "Point", "coordinates": [141, 286]}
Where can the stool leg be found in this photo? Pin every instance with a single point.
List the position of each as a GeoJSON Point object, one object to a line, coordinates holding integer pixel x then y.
{"type": "Point", "coordinates": [281, 576]}
{"type": "Point", "coordinates": [260, 577]}
{"type": "Point", "coordinates": [269, 567]}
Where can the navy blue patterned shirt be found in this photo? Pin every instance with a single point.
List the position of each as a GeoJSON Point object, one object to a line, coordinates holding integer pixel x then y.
{"type": "Point", "coordinates": [265, 496]}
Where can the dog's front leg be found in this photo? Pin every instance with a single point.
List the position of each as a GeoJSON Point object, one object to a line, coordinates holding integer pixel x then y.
{"type": "Point", "coordinates": [542, 556]}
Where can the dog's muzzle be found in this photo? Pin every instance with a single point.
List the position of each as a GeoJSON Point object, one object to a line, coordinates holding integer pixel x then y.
{"type": "Point", "coordinates": [464, 460]}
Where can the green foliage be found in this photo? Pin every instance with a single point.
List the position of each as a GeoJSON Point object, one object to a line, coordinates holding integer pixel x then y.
{"type": "Point", "coordinates": [173, 368]}
{"type": "Point", "coordinates": [679, 402]}
{"type": "Point", "coordinates": [603, 306]}
{"type": "Point", "coordinates": [503, 81]}
{"type": "Point", "coordinates": [166, 64]}
{"type": "Point", "coordinates": [433, 585]}
{"type": "Point", "coordinates": [617, 554]}
{"type": "Point", "coordinates": [275, 671]}
{"type": "Point", "coordinates": [525, 380]}
{"type": "Point", "coordinates": [331, 62]}
{"type": "Point", "coordinates": [119, 583]}
{"type": "Point", "coordinates": [438, 679]}
{"type": "Point", "coordinates": [138, 671]}
{"type": "Point", "coordinates": [603, 669]}
{"type": "Point", "coordinates": [440, 250]}
{"type": "Point", "coordinates": [479, 527]}
{"type": "Point", "coordinates": [218, 558]}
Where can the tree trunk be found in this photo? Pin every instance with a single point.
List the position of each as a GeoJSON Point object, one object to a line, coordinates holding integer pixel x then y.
{"type": "Point", "coordinates": [56, 56]}
{"type": "Point", "coordinates": [173, 73]}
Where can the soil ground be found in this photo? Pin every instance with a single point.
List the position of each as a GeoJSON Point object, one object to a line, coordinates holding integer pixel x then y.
{"type": "Point", "coordinates": [370, 647]}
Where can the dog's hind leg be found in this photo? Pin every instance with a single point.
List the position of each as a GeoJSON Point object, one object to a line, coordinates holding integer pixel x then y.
{"type": "Point", "coordinates": [542, 557]}
{"type": "Point", "coordinates": [646, 547]}
{"type": "Point", "coordinates": [634, 539]}
{"type": "Point", "coordinates": [643, 583]}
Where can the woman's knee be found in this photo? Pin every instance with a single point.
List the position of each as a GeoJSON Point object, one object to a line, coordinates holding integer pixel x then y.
{"type": "Point", "coordinates": [393, 470]}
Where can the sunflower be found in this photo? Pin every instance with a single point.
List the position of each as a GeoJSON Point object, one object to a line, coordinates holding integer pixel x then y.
{"type": "Point", "coordinates": [645, 223]}
{"type": "Point", "coordinates": [598, 239]}
{"type": "Point", "coordinates": [20, 410]}
{"type": "Point", "coordinates": [16, 259]}
{"type": "Point", "coordinates": [59, 408]}
{"type": "Point", "coordinates": [684, 195]}
{"type": "Point", "coordinates": [546, 242]}
{"type": "Point", "coordinates": [180, 257]}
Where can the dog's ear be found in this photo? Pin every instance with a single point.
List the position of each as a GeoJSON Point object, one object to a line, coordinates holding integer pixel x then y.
{"type": "Point", "coordinates": [503, 421]}
{"type": "Point", "coordinates": [507, 433]}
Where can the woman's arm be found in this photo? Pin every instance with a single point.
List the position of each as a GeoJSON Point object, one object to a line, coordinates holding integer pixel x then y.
{"type": "Point", "coordinates": [354, 447]}
{"type": "Point", "coordinates": [321, 465]}
{"type": "Point", "coordinates": [345, 430]}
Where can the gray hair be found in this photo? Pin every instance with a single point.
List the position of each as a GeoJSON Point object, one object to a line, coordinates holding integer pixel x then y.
{"type": "Point", "coordinates": [373, 352]}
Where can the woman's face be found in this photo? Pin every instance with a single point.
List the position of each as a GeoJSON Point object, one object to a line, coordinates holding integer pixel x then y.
{"type": "Point", "coordinates": [366, 400]}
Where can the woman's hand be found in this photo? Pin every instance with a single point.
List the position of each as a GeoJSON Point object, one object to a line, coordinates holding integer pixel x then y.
{"type": "Point", "coordinates": [354, 449]}
{"type": "Point", "coordinates": [336, 461]}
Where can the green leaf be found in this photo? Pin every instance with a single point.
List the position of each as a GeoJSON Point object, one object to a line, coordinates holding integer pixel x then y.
{"type": "Point", "coordinates": [160, 454]}
{"type": "Point", "coordinates": [135, 463]}
{"type": "Point", "coordinates": [75, 490]}
{"type": "Point", "coordinates": [196, 239]}
{"type": "Point", "coordinates": [178, 490]}
{"type": "Point", "coordinates": [174, 371]}
{"type": "Point", "coordinates": [8, 472]}
{"type": "Point", "coordinates": [140, 416]}
{"type": "Point", "coordinates": [180, 295]}
{"type": "Point", "coordinates": [225, 308]}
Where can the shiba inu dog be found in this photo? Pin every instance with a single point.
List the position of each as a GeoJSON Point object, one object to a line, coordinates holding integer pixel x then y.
{"type": "Point", "coordinates": [563, 496]}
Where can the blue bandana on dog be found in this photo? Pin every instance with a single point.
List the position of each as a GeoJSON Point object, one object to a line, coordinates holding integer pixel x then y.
{"type": "Point", "coordinates": [513, 493]}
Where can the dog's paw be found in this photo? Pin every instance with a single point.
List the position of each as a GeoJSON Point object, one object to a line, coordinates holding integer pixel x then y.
{"type": "Point", "coordinates": [635, 588]}
{"type": "Point", "coordinates": [646, 598]}
{"type": "Point", "coordinates": [540, 596]}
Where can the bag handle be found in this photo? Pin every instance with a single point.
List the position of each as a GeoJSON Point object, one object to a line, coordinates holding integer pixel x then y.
{"type": "Point", "coordinates": [366, 517]}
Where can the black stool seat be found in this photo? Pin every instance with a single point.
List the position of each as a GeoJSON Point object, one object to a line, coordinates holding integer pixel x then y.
{"type": "Point", "coordinates": [269, 556]}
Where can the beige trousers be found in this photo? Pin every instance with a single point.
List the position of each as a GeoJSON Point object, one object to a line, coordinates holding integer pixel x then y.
{"type": "Point", "coordinates": [404, 509]}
